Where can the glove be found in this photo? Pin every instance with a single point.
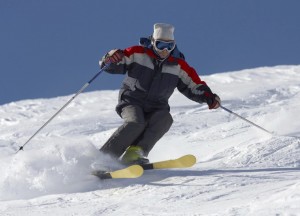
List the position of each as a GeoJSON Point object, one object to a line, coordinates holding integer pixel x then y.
{"type": "Point", "coordinates": [213, 101]}
{"type": "Point", "coordinates": [114, 56]}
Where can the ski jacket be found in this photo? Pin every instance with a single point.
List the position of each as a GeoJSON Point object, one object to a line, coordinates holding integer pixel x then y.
{"type": "Point", "coordinates": [150, 82]}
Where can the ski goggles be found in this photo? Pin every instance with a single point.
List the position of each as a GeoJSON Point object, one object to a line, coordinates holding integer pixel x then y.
{"type": "Point", "coordinates": [161, 45]}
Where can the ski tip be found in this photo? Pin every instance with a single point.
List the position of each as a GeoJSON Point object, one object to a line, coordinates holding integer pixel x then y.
{"type": "Point", "coordinates": [181, 162]}
{"type": "Point", "coordinates": [133, 171]}
{"type": "Point", "coordinates": [188, 160]}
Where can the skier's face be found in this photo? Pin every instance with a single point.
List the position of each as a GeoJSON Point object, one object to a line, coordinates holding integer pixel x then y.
{"type": "Point", "coordinates": [163, 47]}
{"type": "Point", "coordinates": [163, 53]}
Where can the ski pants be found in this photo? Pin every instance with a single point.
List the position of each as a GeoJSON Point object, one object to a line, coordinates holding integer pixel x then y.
{"type": "Point", "coordinates": [139, 129]}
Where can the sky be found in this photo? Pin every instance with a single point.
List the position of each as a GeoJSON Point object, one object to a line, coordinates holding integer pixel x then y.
{"type": "Point", "coordinates": [52, 48]}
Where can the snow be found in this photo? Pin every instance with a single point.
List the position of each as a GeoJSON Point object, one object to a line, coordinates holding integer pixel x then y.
{"type": "Point", "coordinates": [240, 169]}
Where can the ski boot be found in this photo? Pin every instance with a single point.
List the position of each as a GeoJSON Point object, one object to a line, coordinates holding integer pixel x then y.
{"type": "Point", "coordinates": [134, 155]}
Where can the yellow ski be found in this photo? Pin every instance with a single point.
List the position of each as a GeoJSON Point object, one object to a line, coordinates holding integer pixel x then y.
{"type": "Point", "coordinates": [181, 162]}
{"type": "Point", "coordinates": [133, 171]}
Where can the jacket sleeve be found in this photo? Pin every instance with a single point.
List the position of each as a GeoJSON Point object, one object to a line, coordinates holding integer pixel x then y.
{"type": "Point", "coordinates": [119, 68]}
{"type": "Point", "coordinates": [191, 85]}
{"type": "Point", "coordinates": [122, 66]}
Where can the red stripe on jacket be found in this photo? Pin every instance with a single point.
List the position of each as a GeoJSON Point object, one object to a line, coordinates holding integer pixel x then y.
{"type": "Point", "coordinates": [183, 64]}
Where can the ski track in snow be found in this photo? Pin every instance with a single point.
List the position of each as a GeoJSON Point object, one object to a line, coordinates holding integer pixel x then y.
{"type": "Point", "coordinates": [240, 169]}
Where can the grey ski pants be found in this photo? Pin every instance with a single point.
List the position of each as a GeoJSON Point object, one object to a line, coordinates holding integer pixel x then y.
{"type": "Point", "coordinates": [139, 129]}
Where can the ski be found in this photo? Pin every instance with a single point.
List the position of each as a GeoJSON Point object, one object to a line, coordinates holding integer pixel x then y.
{"type": "Point", "coordinates": [181, 162]}
{"type": "Point", "coordinates": [133, 171]}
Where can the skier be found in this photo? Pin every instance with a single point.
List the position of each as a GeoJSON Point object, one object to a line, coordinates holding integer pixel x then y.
{"type": "Point", "coordinates": [153, 70]}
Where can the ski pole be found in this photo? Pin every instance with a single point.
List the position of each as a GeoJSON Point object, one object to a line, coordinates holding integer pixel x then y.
{"type": "Point", "coordinates": [64, 106]}
{"type": "Point", "coordinates": [250, 122]}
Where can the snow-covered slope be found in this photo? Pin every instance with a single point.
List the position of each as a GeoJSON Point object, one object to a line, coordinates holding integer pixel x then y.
{"type": "Point", "coordinates": [240, 169]}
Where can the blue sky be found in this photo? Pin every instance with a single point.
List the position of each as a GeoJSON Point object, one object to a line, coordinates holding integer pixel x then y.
{"type": "Point", "coordinates": [51, 48]}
